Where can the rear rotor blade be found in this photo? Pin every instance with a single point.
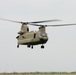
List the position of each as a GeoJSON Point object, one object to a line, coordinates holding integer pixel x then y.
{"type": "Point", "coordinates": [59, 25]}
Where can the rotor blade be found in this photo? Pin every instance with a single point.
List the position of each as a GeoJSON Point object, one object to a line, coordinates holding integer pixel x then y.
{"type": "Point", "coordinates": [60, 25]}
{"type": "Point", "coordinates": [10, 20]}
{"type": "Point", "coordinates": [30, 22]}
{"type": "Point", "coordinates": [45, 21]}
{"type": "Point", "coordinates": [35, 24]}
{"type": "Point", "coordinates": [53, 25]}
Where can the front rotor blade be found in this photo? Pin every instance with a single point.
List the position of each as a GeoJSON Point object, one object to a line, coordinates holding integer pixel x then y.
{"type": "Point", "coordinates": [60, 25]}
{"type": "Point", "coordinates": [45, 21]}
{"type": "Point", "coordinates": [30, 22]}
{"type": "Point", "coordinates": [34, 24]}
{"type": "Point", "coordinates": [10, 20]}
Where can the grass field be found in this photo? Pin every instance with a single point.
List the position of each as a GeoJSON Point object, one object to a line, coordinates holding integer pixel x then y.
{"type": "Point", "coordinates": [37, 73]}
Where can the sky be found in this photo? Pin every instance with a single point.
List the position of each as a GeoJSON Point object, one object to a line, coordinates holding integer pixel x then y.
{"type": "Point", "coordinates": [59, 54]}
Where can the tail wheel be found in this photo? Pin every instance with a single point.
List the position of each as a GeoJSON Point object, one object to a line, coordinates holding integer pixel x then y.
{"type": "Point", "coordinates": [18, 46]}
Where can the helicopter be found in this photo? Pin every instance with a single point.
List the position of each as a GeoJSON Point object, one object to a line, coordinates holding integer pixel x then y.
{"type": "Point", "coordinates": [32, 38]}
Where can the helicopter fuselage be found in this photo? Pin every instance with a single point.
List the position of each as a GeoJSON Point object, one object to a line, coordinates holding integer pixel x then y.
{"type": "Point", "coordinates": [32, 38]}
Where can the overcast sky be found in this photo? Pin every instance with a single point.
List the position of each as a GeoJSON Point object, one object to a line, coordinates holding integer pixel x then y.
{"type": "Point", "coordinates": [60, 50]}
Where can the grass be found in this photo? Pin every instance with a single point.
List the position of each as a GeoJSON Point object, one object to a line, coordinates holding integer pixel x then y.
{"type": "Point", "coordinates": [37, 73]}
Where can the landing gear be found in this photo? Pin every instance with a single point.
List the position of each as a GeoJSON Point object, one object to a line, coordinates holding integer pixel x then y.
{"type": "Point", "coordinates": [28, 46]}
{"type": "Point", "coordinates": [32, 47]}
{"type": "Point", "coordinates": [18, 46]}
{"type": "Point", "coordinates": [42, 47]}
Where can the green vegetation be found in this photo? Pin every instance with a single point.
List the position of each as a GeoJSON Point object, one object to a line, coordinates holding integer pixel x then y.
{"type": "Point", "coordinates": [38, 73]}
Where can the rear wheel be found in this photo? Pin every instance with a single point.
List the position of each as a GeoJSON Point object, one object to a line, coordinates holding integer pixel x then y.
{"type": "Point", "coordinates": [18, 46]}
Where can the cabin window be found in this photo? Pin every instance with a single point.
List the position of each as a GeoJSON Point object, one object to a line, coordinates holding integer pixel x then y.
{"type": "Point", "coordinates": [17, 37]}
{"type": "Point", "coordinates": [27, 29]}
{"type": "Point", "coordinates": [23, 37]}
{"type": "Point", "coordinates": [35, 35]}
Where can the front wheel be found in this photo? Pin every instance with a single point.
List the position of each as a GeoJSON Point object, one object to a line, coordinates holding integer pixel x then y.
{"type": "Point", "coordinates": [42, 47]}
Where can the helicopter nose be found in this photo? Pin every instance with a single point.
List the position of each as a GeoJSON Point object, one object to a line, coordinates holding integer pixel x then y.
{"type": "Point", "coordinates": [44, 38]}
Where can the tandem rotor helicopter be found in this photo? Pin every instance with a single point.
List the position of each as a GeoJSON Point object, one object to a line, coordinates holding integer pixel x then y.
{"type": "Point", "coordinates": [31, 38]}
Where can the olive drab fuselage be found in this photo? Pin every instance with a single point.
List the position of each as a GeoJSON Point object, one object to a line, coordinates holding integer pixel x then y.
{"type": "Point", "coordinates": [31, 38]}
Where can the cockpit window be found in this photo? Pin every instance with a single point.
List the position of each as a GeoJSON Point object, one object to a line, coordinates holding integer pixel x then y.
{"type": "Point", "coordinates": [42, 35]}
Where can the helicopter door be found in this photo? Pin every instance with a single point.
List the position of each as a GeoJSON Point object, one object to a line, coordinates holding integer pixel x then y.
{"type": "Point", "coordinates": [34, 35]}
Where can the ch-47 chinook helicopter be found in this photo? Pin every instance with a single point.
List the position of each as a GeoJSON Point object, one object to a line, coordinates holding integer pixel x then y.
{"type": "Point", "coordinates": [31, 38]}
